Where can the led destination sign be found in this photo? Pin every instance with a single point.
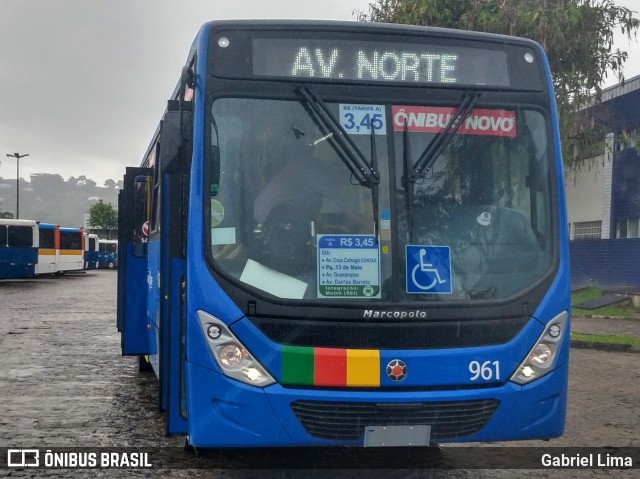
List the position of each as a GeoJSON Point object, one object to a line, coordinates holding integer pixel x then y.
{"type": "Point", "coordinates": [379, 61]}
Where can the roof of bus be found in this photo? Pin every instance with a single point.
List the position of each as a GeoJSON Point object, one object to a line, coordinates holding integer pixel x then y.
{"type": "Point", "coordinates": [71, 230]}
{"type": "Point", "coordinates": [12, 222]}
{"type": "Point", "coordinates": [47, 226]}
{"type": "Point", "coordinates": [370, 27]}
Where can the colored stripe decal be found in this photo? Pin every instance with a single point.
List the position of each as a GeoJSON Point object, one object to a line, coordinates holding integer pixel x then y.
{"type": "Point", "coordinates": [71, 252]}
{"type": "Point", "coordinates": [297, 365]}
{"type": "Point", "coordinates": [42, 251]}
{"type": "Point", "coordinates": [363, 367]}
{"type": "Point", "coordinates": [330, 367]}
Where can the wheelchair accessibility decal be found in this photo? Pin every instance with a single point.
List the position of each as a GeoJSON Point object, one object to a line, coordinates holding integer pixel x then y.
{"type": "Point", "coordinates": [428, 269]}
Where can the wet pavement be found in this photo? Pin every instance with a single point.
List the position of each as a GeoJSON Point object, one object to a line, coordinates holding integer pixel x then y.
{"type": "Point", "coordinates": [64, 383]}
{"type": "Point", "coordinates": [606, 326]}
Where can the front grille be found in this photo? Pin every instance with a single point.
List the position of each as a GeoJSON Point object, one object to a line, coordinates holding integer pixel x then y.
{"type": "Point", "coordinates": [417, 335]}
{"type": "Point", "coordinates": [347, 420]}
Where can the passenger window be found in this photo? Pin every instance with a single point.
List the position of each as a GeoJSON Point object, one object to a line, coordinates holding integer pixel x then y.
{"type": "Point", "coordinates": [140, 215]}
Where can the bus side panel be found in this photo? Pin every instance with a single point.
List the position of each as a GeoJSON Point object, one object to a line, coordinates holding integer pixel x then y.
{"type": "Point", "coordinates": [172, 329]}
{"type": "Point", "coordinates": [154, 305]}
{"type": "Point", "coordinates": [121, 267]}
{"type": "Point", "coordinates": [134, 331]}
{"type": "Point", "coordinates": [135, 278]}
{"type": "Point", "coordinates": [176, 422]}
{"type": "Point", "coordinates": [71, 258]}
{"type": "Point", "coordinates": [46, 261]}
{"type": "Point", "coordinates": [18, 262]}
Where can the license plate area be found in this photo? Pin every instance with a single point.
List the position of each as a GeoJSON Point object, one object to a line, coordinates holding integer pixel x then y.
{"type": "Point", "coordinates": [397, 436]}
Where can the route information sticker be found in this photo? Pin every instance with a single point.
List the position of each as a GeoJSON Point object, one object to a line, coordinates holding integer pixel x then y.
{"type": "Point", "coordinates": [348, 266]}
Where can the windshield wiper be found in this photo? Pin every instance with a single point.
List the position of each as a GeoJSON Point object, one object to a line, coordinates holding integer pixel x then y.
{"type": "Point", "coordinates": [375, 196]}
{"type": "Point", "coordinates": [407, 180]}
{"type": "Point", "coordinates": [440, 141]}
{"type": "Point", "coordinates": [365, 173]}
{"type": "Point", "coordinates": [348, 151]}
{"type": "Point", "coordinates": [416, 171]}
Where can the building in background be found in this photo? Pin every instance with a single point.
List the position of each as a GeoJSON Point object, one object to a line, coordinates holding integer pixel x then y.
{"type": "Point", "coordinates": [603, 198]}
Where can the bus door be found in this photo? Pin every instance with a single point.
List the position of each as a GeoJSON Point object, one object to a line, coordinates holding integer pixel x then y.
{"type": "Point", "coordinates": [91, 251]}
{"type": "Point", "coordinates": [133, 267]}
{"type": "Point", "coordinates": [120, 288]}
{"type": "Point", "coordinates": [172, 198]}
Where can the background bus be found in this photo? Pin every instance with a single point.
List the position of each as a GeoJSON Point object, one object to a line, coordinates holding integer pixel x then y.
{"type": "Point", "coordinates": [18, 248]}
{"type": "Point", "coordinates": [357, 226]}
{"type": "Point", "coordinates": [91, 251]}
{"type": "Point", "coordinates": [49, 248]}
{"type": "Point", "coordinates": [108, 254]}
{"type": "Point", "coordinates": [71, 250]}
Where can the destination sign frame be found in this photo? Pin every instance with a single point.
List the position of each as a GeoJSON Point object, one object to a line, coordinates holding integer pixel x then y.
{"type": "Point", "coordinates": [357, 57]}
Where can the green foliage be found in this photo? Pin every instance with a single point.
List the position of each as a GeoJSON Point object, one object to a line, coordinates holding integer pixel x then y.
{"type": "Point", "coordinates": [103, 216]}
{"type": "Point", "coordinates": [576, 34]}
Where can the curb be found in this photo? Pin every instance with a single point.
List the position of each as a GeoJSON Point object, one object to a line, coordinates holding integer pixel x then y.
{"type": "Point", "coordinates": [613, 347]}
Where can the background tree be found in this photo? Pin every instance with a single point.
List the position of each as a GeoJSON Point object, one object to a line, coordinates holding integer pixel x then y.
{"type": "Point", "coordinates": [576, 34]}
{"type": "Point", "coordinates": [103, 216]}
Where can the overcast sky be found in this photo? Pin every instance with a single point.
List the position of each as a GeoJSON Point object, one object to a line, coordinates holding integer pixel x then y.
{"type": "Point", "coordinates": [83, 83]}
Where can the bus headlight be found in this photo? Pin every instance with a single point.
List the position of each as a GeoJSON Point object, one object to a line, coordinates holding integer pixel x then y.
{"type": "Point", "coordinates": [542, 356]}
{"type": "Point", "coordinates": [232, 357]}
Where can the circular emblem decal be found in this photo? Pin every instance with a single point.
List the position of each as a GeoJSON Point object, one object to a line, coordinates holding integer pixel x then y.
{"type": "Point", "coordinates": [217, 213]}
{"type": "Point", "coordinates": [396, 370]}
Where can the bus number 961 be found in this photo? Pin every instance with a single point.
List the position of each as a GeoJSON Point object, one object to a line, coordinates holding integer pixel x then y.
{"type": "Point", "coordinates": [488, 370]}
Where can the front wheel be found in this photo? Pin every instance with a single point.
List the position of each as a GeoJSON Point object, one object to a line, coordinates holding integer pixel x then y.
{"type": "Point", "coordinates": [144, 366]}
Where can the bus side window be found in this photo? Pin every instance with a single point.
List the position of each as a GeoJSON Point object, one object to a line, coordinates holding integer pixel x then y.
{"type": "Point", "coordinates": [20, 236]}
{"type": "Point", "coordinates": [140, 215]}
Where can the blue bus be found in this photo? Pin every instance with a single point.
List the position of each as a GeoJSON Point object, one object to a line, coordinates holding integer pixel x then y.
{"type": "Point", "coordinates": [18, 248]}
{"type": "Point", "coordinates": [91, 250]}
{"type": "Point", "coordinates": [351, 234]}
{"type": "Point", "coordinates": [108, 254]}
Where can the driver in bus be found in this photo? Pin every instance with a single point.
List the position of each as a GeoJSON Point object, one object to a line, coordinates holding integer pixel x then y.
{"type": "Point", "coordinates": [303, 182]}
{"type": "Point", "coordinates": [288, 209]}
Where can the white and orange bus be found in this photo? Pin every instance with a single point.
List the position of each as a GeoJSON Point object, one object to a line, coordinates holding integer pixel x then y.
{"type": "Point", "coordinates": [71, 254]}
{"type": "Point", "coordinates": [49, 248]}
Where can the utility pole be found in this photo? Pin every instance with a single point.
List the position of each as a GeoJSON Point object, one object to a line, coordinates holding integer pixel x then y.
{"type": "Point", "coordinates": [17, 156]}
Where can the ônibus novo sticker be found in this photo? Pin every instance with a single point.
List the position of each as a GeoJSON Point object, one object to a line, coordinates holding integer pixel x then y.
{"type": "Point", "coordinates": [432, 119]}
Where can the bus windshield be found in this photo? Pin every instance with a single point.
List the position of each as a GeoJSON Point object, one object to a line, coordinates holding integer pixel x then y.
{"type": "Point", "coordinates": [467, 221]}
